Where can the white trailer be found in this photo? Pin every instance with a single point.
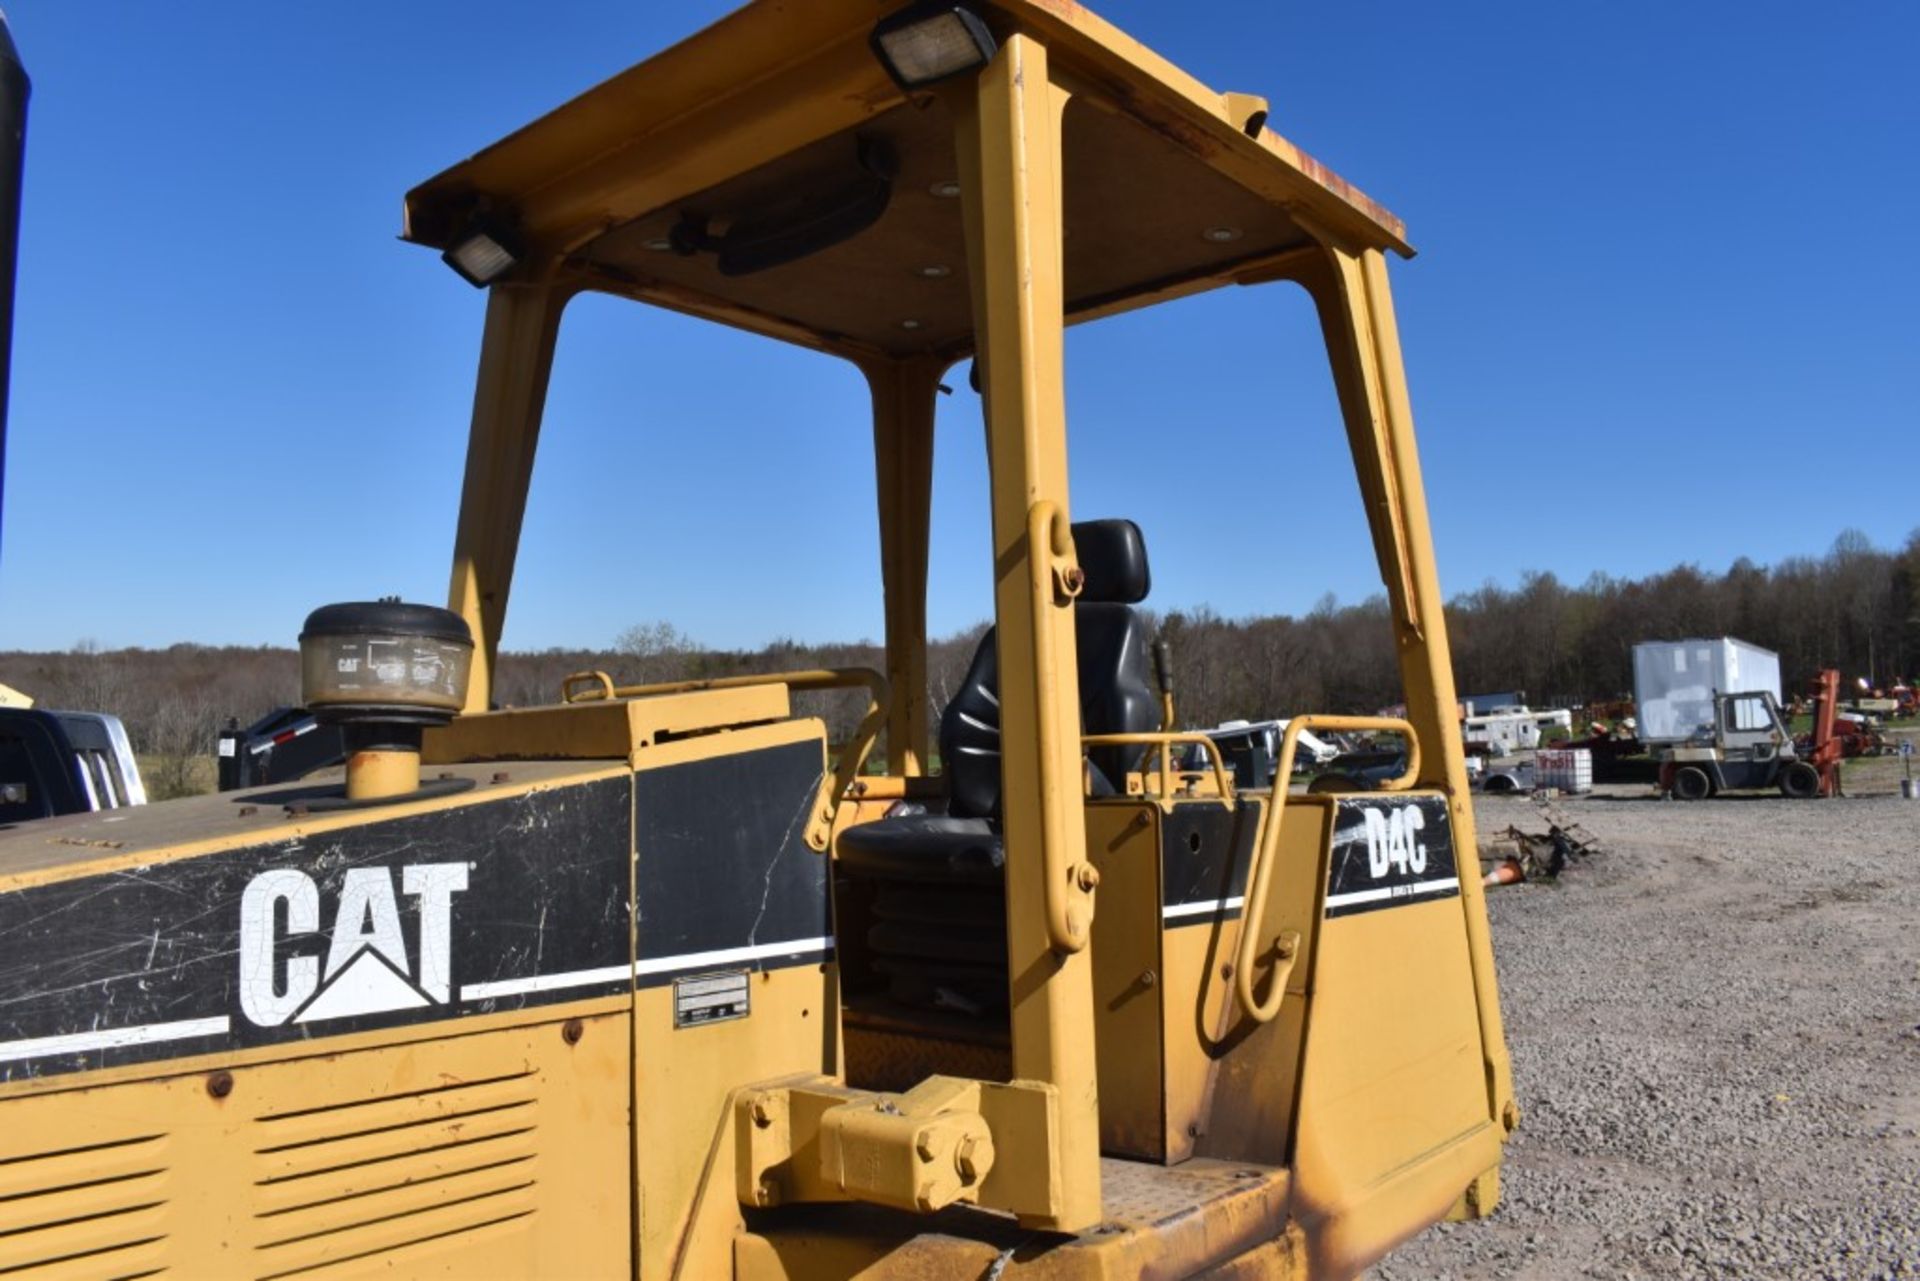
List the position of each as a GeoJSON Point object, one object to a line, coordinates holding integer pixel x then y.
{"type": "Point", "coordinates": [1500, 733]}
{"type": "Point", "coordinates": [1510, 730]}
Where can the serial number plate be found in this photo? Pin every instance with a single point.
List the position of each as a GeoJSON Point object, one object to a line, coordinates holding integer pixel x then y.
{"type": "Point", "coordinates": [710, 998]}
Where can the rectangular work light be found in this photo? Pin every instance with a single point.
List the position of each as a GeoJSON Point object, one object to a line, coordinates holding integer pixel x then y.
{"type": "Point", "coordinates": [483, 255]}
{"type": "Point", "coordinates": [927, 42]}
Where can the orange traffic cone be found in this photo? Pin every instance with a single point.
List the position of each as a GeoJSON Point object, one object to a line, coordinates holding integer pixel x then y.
{"type": "Point", "coordinates": [1507, 873]}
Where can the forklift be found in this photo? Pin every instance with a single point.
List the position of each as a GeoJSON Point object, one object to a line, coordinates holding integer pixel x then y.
{"type": "Point", "coordinates": [653, 981]}
{"type": "Point", "coordinates": [1747, 745]}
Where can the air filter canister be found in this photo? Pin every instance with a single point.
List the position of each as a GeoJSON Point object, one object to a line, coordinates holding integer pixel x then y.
{"type": "Point", "coordinates": [386, 661]}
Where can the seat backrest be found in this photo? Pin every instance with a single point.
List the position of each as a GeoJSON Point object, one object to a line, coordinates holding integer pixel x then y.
{"type": "Point", "coordinates": [1116, 686]}
{"type": "Point", "coordinates": [1116, 669]}
{"type": "Point", "coordinates": [970, 736]}
{"type": "Point", "coordinates": [1116, 683]}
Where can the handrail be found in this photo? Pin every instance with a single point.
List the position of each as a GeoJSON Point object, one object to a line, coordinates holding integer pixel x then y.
{"type": "Point", "coordinates": [1050, 541]}
{"type": "Point", "coordinates": [1253, 904]}
{"type": "Point", "coordinates": [1165, 741]}
{"type": "Point", "coordinates": [853, 754]}
{"type": "Point", "coordinates": [604, 681]}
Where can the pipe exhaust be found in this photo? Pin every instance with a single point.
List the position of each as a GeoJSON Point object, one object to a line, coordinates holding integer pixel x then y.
{"type": "Point", "coordinates": [14, 89]}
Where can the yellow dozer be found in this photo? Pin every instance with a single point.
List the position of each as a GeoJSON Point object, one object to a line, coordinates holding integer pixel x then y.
{"type": "Point", "coordinates": [653, 981]}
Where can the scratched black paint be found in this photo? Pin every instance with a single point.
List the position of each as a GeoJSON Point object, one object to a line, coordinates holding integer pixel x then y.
{"type": "Point", "coordinates": [546, 892]}
{"type": "Point", "coordinates": [723, 861]}
{"type": "Point", "coordinates": [1205, 849]}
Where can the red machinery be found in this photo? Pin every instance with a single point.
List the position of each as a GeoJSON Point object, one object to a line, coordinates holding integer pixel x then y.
{"type": "Point", "coordinates": [1847, 735]}
{"type": "Point", "coordinates": [1908, 700]}
{"type": "Point", "coordinates": [1857, 738]}
{"type": "Point", "coordinates": [1825, 748]}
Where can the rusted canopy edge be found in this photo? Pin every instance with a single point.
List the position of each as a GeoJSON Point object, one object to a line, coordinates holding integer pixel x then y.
{"type": "Point", "coordinates": [1140, 82]}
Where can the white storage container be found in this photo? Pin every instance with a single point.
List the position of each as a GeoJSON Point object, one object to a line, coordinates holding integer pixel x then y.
{"type": "Point", "coordinates": [1568, 768]}
{"type": "Point", "coordinates": [1674, 683]}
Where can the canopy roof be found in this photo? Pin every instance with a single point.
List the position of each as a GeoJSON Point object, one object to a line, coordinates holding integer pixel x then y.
{"type": "Point", "coordinates": [1169, 187]}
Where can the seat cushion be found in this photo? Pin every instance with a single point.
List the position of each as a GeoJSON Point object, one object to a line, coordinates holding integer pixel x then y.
{"type": "Point", "coordinates": [925, 847]}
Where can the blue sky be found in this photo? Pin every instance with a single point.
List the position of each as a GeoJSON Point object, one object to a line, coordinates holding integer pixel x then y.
{"type": "Point", "coordinates": [1663, 311]}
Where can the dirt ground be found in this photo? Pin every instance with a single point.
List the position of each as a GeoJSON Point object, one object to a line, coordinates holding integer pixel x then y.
{"type": "Point", "coordinates": [1715, 1029]}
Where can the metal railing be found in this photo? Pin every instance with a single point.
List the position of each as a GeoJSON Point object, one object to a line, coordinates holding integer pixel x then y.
{"type": "Point", "coordinates": [1166, 741]}
{"type": "Point", "coordinates": [1253, 905]}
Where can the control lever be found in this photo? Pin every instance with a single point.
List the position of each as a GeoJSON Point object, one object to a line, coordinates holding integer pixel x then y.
{"type": "Point", "coordinates": [1163, 673]}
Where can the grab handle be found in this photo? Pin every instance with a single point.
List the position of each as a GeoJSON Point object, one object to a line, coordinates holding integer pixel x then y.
{"type": "Point", "coordinates": [1253, 906]}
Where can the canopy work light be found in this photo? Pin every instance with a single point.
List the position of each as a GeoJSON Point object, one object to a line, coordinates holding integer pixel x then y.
{"type": "Point", "coordinates": [927, 42]}
{"type": "Point", "coordinates": [483, 255]}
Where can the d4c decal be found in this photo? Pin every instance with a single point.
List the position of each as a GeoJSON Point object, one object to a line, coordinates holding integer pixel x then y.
{"type": "Point", "coordinates": [1388, 851]}
{"type": "Point", "coordinates": [1393, 841]}
{"type": "Point", "coordinates": [367, 967]}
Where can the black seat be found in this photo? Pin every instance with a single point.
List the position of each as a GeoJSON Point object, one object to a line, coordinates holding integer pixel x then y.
{"type": "Point", "coordinates": [963, 845]}
{"type": "Point", "coordinates": [933, 885]}
{"type": "Point", "coordinates": [936, 848]}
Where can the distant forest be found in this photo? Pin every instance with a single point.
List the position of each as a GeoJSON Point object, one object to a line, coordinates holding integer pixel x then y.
{"type": "Point", "coordinates": [1856, 608]}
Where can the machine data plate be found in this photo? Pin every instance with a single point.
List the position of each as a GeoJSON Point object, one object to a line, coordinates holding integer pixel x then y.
{"type": "Point", "coordinates": [710, 998]}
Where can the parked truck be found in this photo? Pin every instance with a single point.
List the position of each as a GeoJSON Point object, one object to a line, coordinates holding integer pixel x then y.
{"type": "Point", "coordinates": [64, 763]}
{"type": "Point", "coordinates": [1252, 750]}
{"type": "Point", "coordinates": [51, 762]}
{"type": "Point", "coordinates": [1711, 711]}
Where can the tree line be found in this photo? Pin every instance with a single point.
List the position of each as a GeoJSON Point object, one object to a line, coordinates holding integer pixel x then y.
{"type": "Point", "coordinates": [1856, 608]}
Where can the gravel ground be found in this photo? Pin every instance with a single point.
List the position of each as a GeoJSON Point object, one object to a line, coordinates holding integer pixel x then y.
{"type": "Point", "coordinates": [1715, 1028]}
